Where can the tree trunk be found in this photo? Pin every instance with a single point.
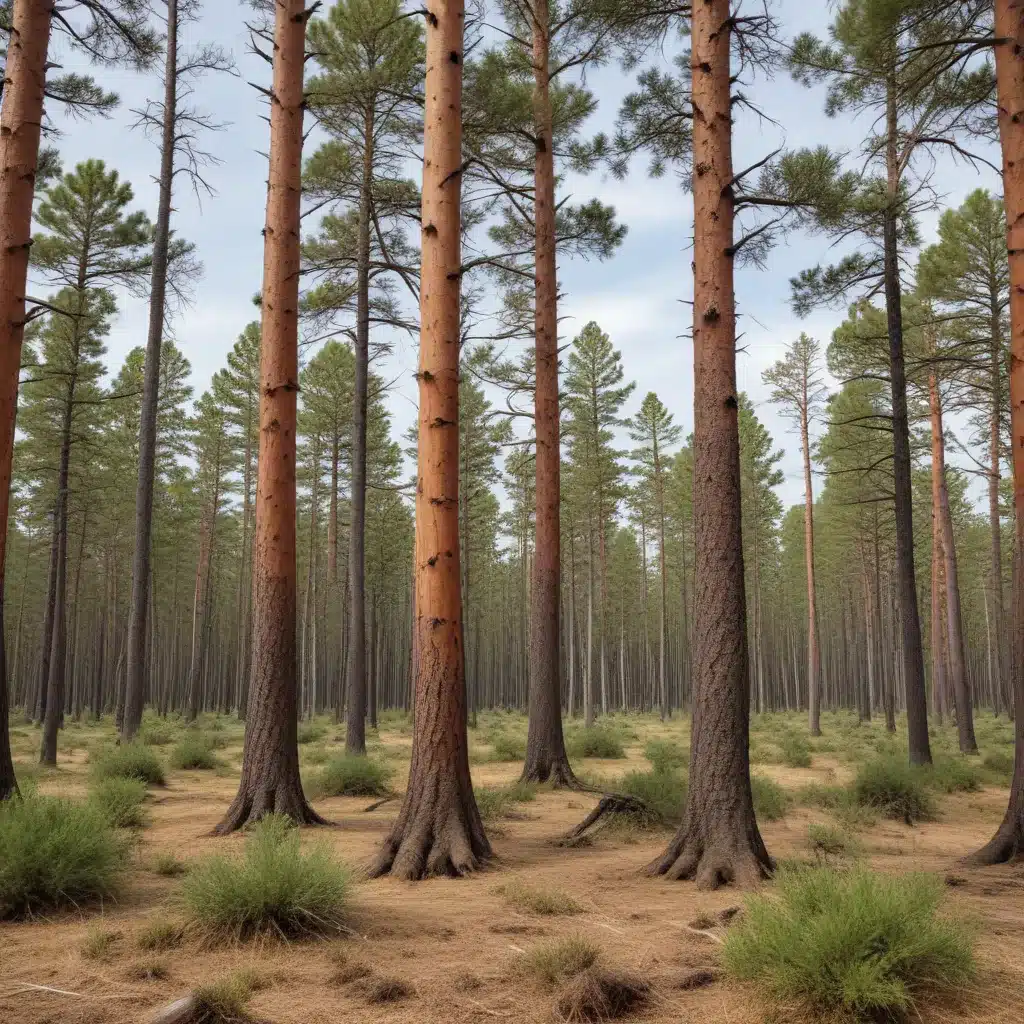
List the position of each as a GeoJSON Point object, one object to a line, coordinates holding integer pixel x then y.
{"type": "Point", "coordinates": [546, 758]}
{"type": "Point", "coordinates": [355, 721]}
{"type": "Point", "coordinates": [270, 780]}
{"type": "Point", "coordinates": [998, 634]}
{"type": "Point", "coordinates": [438, 830]}
{"type": "Point", "coordinates": [1008, 842]}
{"type": "Point", "coordinates": [938, 646]}
{"type": "Point", "coordinates": [666, 709]}
{"type": "Point", "coordinates": [135, 686]}
{"type": "Point", "coordinates": [813, 651]}
{"type": "Point", "coordinates": [718, 840]}
{"type": "Point", "coordinates": [913, 655]}
{"type": "Point", "coordinates": [21, 120]}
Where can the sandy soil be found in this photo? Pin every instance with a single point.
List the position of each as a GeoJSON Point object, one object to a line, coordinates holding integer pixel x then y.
{"type": "Point", "coordinates": [453, 941]}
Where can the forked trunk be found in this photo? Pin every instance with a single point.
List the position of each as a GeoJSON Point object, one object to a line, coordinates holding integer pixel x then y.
{"type": "Point", "coordinates": [546, 758]}
{"type": "Point", "coordinates": [21, 120]}
{"type": "Point", "coordinates": [438, 830]}
{"type": "Point", "coordinates": [1008, 842]}
{"type": "Point", "coordinates": [718, 841]}
{"type": "Point", "coordinates": [270, 780]}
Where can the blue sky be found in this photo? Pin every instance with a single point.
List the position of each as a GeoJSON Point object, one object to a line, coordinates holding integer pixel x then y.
{"type": "Point", "coordinates": [638, 297]}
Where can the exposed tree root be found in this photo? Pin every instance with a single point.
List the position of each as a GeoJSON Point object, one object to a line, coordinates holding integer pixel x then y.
{"type": "Point", "coordinates": [1006, 846]}
{"type": "Point", "coordinates": [609, 805]}
{"type": "Point", "coordinates": [553, 770]}
{"type": "Point", "coordinates": [727, 856]}
{"type": "Point", "coordinates": [255, 802]}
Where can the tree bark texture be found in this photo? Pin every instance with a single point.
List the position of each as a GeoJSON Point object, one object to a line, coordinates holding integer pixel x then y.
{"type": "Point", "coordinates": [1008, 842]}
{"type": "Point", "coordinates": [718, 841]}
{"type": "Point", "coordinates": [355, 721]}
{"type": "Point", "coordinates": [438, 830]}
{"type": "Point", "coordinates": [135, 685]}
{"type": "Point", "coordinates": [913, 653]}
{"type": "Point", "coordinates": [270, 780]}
{"type": "Point", "coordinates": [546, 758]}
{"type": "Point", "coordinates": [813, 650]}
{"type": "Point", "coordinates": [21, 119]}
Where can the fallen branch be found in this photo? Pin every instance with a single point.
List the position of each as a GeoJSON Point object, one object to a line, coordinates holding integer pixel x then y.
{"type": "Point", "coordinates": [379, 803]}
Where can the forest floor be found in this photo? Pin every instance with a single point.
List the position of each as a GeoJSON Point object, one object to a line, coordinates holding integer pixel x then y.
{"type": "Point", "coordinates": [454, 942]}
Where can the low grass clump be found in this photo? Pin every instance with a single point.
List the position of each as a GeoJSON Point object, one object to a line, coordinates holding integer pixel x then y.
{"type": "Point", "coordinates": [999, 765]}
{"type": "Point", "coordinates": [120, 801]}
{"type": "Point", "coordinates": [506, 747]}
{"type": "Point", "coordinates": [159, 935]}
{"type": "Point", "coordinates": [853, 944]}
{"type": "Point", "coordinates": [56, 854]}
{"type": "Point", "coordinates": [167, 865]}
{"type": "Point", "coordinates": [796, 750]}
{"type": "Point", "coordinates": [311, 732]}
{"type": "Point", "coordinates": [194, 752]}
{"type": "Point", "coordinates": [841, 802]}
{"type": "Point", "coordinates": [895, 788]}
{"type": "Point", "coordinates": [224, 1002]}
{"type": "Point", "coordinates": [666, 755]}
{"type": "Point", "coordinates": [274, 889]}
{"type": "Point", "coordinates": [316, 755]}
{"type": "Point", "coordinates": [155, 732]}
{"type": "Point", "coordinates": [663, 792]}
{"type": "Point", "coordinates": [596, 995]}
{"type": "Point", "coordinates": [829, 841]}
{"type": "Point", "coordinates": [546, 902]}
{"type": "Point", "coordinates": [494, 802]}
{"type": "Point", "coordinates": [558, 960]}
{"type": "Point", "coordinates": [771, 801]}
{"type": "Point", "coordinates": [99, 944]}
{"type": "Point", "coordinates": [954, 775]}
{"type": "Point", "coordinates": [129, 761]}
{"type": "Point", "coordinates": [352, 775]}
{"type": "Point", "coordinates": [597, 741]}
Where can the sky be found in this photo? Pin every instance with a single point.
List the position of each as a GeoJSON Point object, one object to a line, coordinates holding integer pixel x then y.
{"type": "Point", "coordinates": [639, 297]}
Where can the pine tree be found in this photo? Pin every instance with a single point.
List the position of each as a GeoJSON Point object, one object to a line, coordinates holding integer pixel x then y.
{"type": "Point", "coordinates": [798, 387]}
{"type": "Point", "coordinates": [270, 780]}
{"type": "Point", "coordinates": [653, 430]}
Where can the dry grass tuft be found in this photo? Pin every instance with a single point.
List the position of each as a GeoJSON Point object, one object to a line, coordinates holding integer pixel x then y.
{"type": "Point", "coordinates": [597, 994]}
{"type": "Point", "coordinates": [388, 990]}
{"type": "Point", "coordinates": [556, 961]}
{"type": "Point", "coordinates": [347, 971]}
{"type": "Point", "coordinates": [148, 970]}
{"type": "Point", "coordinates": [160, 934]}
{"type": "Point", "coordinates": [547, 902]}
{"type": "Point", "coordinates": [99, 944]}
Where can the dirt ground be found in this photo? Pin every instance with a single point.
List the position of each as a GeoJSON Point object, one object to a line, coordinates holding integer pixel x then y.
{"type": "Point", "coordinates": [453, 941]}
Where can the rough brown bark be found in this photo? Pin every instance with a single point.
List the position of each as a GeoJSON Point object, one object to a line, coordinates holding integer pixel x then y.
{"type": "Point", "coordinates": [718, 841]}
{"type": "Point", "coordinates": [546, 758]}
{"type": "Point", "coordinates": [1008, 842]}
{"type": "Point", "coordinates": [135, 685]}
{"type": "Point", "coordinates": [21, 120]}
{"type": "Point", "coordinates": [438, 830]}
{"type": "Point", "coordinates": [813, 650]}
{"type": "Point", "coordinates": [913, 652]}
{"type": "Point", "coordinates": [355, 721]}
{"type": "Point", "coordinates": [270, 780]}
{"type": "Point", "coordinates": [938, 645]}
{"type": "Point", "coordinates": [1003, 687]}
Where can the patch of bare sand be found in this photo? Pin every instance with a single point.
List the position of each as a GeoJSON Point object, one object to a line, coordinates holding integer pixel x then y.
{"type": "Point", "coordinates": [453, 941]}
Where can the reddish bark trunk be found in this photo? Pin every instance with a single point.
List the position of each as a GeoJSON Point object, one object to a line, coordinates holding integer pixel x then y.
{"type": "Point", "coordinates": [439, 831]}
{"type": "Point", "coordinates": [718, 841]}
{"type": "Point", "coordinates": [1008, 842]}
{"type": "Point", "coordinates": [270, 761]}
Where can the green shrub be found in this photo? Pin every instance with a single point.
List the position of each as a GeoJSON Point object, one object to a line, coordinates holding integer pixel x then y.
{"type": "Point", "coordinates": [351, 775]}
{"type": "Point", "coordinates": [56, 854]}
{"type": "Point", "coordinates": [547, 902]}
{"type": "Point", "coordinates": [128, 761]}
{"type": "Point", "coordinates": [953, 775]}
{"type": "Point", "coordinates": [664, 792]}
{"type": "Point", "coordinates": [160, 934]}
{"type": "Point", "coordinates": [999, 763]}
{"type": "Point", "coordinates": [506, 747]}
{"type": "Point", "coordinates": [828, 841]}
{"type": "Point", "coordinates": [771, 801]}
{"type": "Point", "coordinates": [155, 732]}
{"type": "Point", "coordinates": [828, 798]}
{"type": "Point", "coordinates": [316, 755]}
{"type": "Point", "coordinates": [597, 741]}
{"type": "Point", "coordinates": [854, 943]}
{"type": "Point", "coordinates": [168, 865]}
{"type": "Point", "coordinates": [495, 802]}
{"type": "Point", "coordinates": [558, 960]}
{"type": "Point", "coordinates": [796, 750]}
{"type": "Point", "coordinates": [666, 755]}
{"type": "Point", "coordinates": [224, 1002]}
{"type": "Point", "coordinates": [894, 788]}
{"type": "Point", "coordinates": [311, 732]}
{"type": "Point", "coordinates": [120, 801]}
{"type": "Point", "coordinates": [194, 753]}
{"type": "Point", "coordinates": [273, 889]}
